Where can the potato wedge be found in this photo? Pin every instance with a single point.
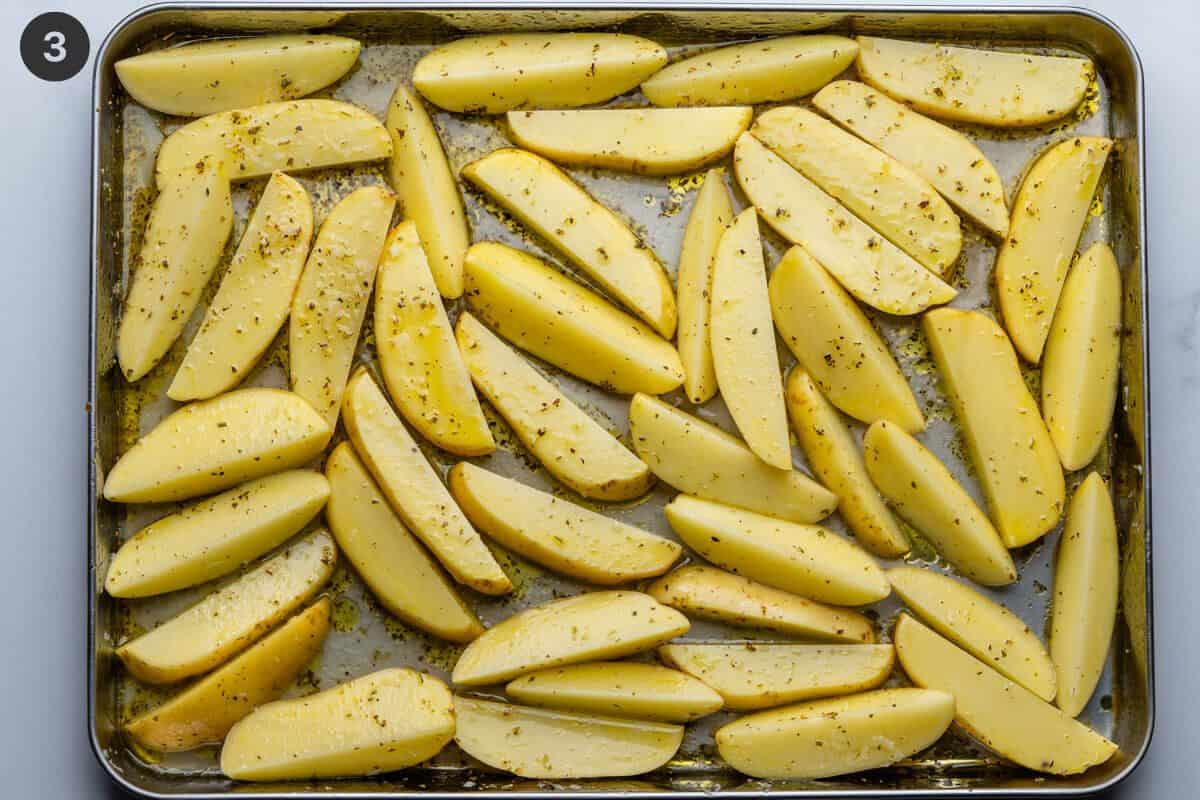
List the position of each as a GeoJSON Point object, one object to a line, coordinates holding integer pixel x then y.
{"type": "Point", "coordinates": [985, 629]}
{"type": "Point", "coordinates": [497, 73]}
{"type": "Point", "coordinates": [544, 744]}
{"type": "Point", "coordinates": [1049, 214]}
{"type": "Point", "coordinates": [765, 71]}
{"type": "Point", "coordinates": [824, 738]}
{"type": "Point", "coordinates": [803, 559]}
{"type": "Point", "coordinates": [619, 689]}
{"type": "Point", "coordinates": [1084, 610]}
{"type": "Point", "coordinates": [228, 620]}
{"type": "Point", "coordinates": [1014, 457]}
{"type": "Point", "coordinates": [400, 573]}
{"type": "Point", "coordinates": [587, 627]}
{"type": "Point", "coordinates": [205, 711]}
{"type": "Point", "coordinates": [572, 446]}
{"type": "Point", "coordinates": [185, 236]}
{"type": "Point", "coordinates": [254, 297]}
{"type": "Point", "coordinates": [986, 87]}
{"type": "Point", "coordinates": [869, 266]}
{"type": "Point", "coordinates": [1082, 358]}
{"type": "Point", "coordinates": [418, 356]}
{"type": "Point", "coordinates": [217, 535]}
{"type": "Point", "coordinates": [592, 237]}
{"type": "Point", "coordinates": [926, 495]}
{"type": "Point", "coordinates": [560, 535]}
{"type": "Point", "coordinates": [699, 458]}
{"type": "Point", "coordinates": [214, 444]}
{"type": "Point", "coordinates": [382, 722]}
{"type": "Point", "coordinates": [722, 596]}
{"type": "Point", "coordinates": [757, 675]}
{"type": "Point", "coordinates": [331, 301]}
{"type": "Point", "coordinates": [551, 316]}
{"type": "Point", "coordinates": [414, 490]}
{"type": "Point", "coordinates": [1003, 715]}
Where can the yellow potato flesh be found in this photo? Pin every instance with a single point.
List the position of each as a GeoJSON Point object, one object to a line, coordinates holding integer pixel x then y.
{"type": "Point", "coordinates": [228, 620]}
{"type": "Point", "coordinates": [701, 459]}
{"type": "Point", "coordinates": [869, 266]}
{"type": "Point", "coordinates": [254, 297]}
{"type": "Point", "coordinates": [382, 722]}
{"type": "Point", "coordinates": [400, 573]}
{"type": "Point", "coordinates": [570, 444]}
{"type": "Point", "coordinates": [557, 534]}
{"type": "Point", "coordinates": [1013, 455]}
{"type": "Point", "coordinates": [216, 536]}
{"type": "Point", "coordinates": [1003, 715]}
{"type": "Point", "coordinates": [619, 689]}
{"type": "Point", "coordinates": [551, 316]}
{"type": "Point", "coordinates": [586, 627]}
{"type": "Point", "coordinates": [591, 236]}
{"type": "Point", "coordinates": [214, 444]}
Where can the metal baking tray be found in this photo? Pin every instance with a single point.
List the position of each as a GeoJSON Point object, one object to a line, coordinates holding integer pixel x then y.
{"type": "Point", "coordinates": [125, 137]}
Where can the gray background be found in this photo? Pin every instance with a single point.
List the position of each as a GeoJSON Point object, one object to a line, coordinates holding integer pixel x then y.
{"type": "Point", "coordinates": [44, 167]}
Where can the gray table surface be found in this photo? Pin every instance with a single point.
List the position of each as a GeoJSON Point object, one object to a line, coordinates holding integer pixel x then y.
{"type": "Point", "coordinates": [44, 151]}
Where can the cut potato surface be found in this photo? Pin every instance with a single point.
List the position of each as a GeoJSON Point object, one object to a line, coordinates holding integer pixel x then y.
{"type": "Point", "coordinates": [569, 443]}
{"type": "Point", "coordinates": [619, 689]}
{"type": "Point", "coordinates": [214, 444]}
{"type": "Point", "coordinates": [587, 627]}
{"type": "Point", "coordinates": [699, 458]}
{"type": "Point", "coordinates": [382, 722]}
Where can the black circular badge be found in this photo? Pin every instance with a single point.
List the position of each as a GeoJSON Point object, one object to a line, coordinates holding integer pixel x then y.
{"type": "Point", "coordinates": [54, 46]}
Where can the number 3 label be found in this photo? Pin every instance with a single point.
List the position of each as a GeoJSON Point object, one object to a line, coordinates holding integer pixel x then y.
{"type": "Point", "coordinates": [56, 52]}
{"type": "Point", "coordinates": [54, 46]}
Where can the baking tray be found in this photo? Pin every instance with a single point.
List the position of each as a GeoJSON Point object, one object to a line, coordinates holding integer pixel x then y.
{"type": "Point", "coordinates": [125, 137]}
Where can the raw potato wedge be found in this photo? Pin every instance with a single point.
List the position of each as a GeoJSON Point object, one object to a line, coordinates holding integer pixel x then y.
{"type": "Point", "coordinates": [414, 489]}
{"type": "Point", "coordinates": [1049, 214]}
{"type": "Point", "coordinates": [228, 620]}
{"type": "Point", "coordinates": [543, 744]}
{"type": "Point", "coordinates": [758, 675]}
{"type": "Point", "coordinates": [619, 689]}
{"type": "Point", "coordinates": [189, 222]}
{"type": "Point", "coordinates": [743, 342]}
{"type": "Point", "coordinates": [837, 345]}
{"type": "Point", "coordinates": [400, 573]}
{"type": "Point", "coordinates": [833, 454]}
{"type": "Point", "coordinates": [1082, 358]}
{"type": "Point", "coordinates": [587, 627]}
{"type": "Point", "coordinates": [757, 72]}
{"type": "Point", "coordinates": [551, 316]}
{"type": "Point", "coordinates": [722, 596]}
{"type": "Point", "coordinates": [825, 738]}
{"type": "Point", "coordinates": [939, 154]}
{"type": "Point", "coordinates": [803, 559]}
{"type": "Point", "coordinates": [699, 458]}
{"type": "Point", "coordinates": [207, 77]}
{"type": "Point", "coordinates": [288, 136]}
{"type": "Point", "coordinates": [572, 446]}
{"type": "Point", "coordinates": [331, 300]}
{"type": "Point", "coordinates": [382, 722]}
{"type": "Point", "coordinates": [422, 177]}
{"type": "Point", "coordinates": [418, 355]}
{"type": "Point", "coordinates": [1003, 715]}
{"type": "Point", "coordinates": [925, 494]}
{"type": "Point", "coordinates": [869, 266]}
{"type": "Point", "coordinates": [985, 629]}
{"type": "Point", "coordinates": [986, 87]}
{"type": "Point", "coordinates": [214, 444]}
{"type": "Point", "coordinates": [644, 141]}
{"type": "Point", "coordinates": [567, 538]}
{"type": "Point", "coordinates": [1013, 455]}
{"type": "Point", "coordinates": [1084, 610]}
{"type": "Point", "coordinates": [254, 297]}
{"type": "Point", "coordinates": [203, 713]}
{"type": "Point", "coordinates": [594, 240]}
{"type": "Point", "coordinates": [215, 536]}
